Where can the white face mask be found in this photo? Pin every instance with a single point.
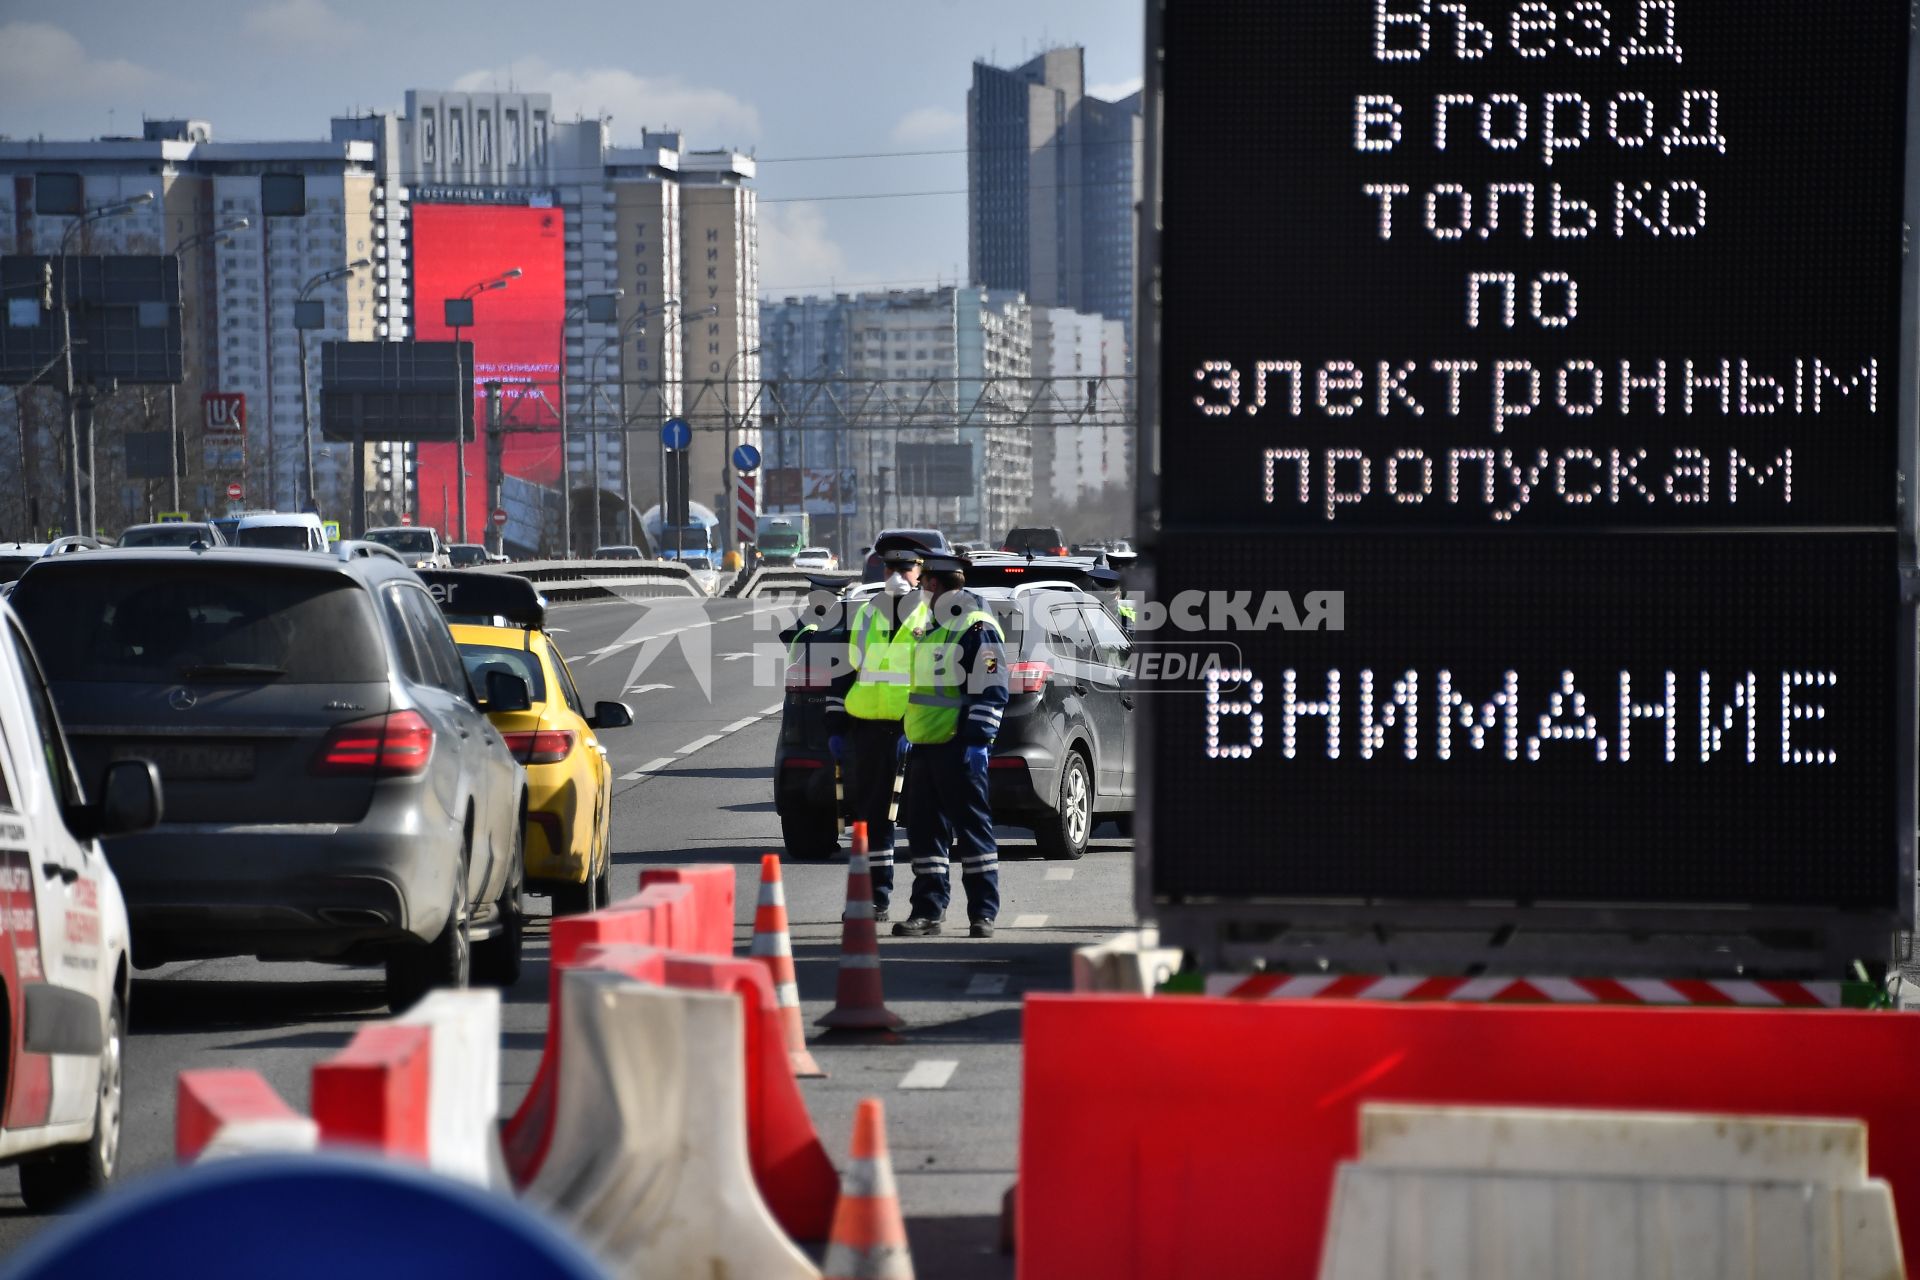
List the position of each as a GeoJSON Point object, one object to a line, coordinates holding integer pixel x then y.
{"type": "Point", "coordinates": [897, 585]}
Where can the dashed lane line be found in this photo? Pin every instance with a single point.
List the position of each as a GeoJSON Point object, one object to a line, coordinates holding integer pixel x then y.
{"type": "Point", "coordinates": [651, 766]}
{"type": "Point", "coordinates": [1059, 873]}
{"type": "Point", "coordinates": [775, 709]}
{"type": "Point", "coordinates": [930, 1073]}
{"type": "Point", "coordinates": [1029, 922]}
{"type": "Point", "coordinates": [698, 743]}
{"type": "Point", "coordinates": [738, 725]}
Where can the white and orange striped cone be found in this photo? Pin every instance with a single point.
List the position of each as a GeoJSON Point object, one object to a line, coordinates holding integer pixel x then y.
{"type": "Point", "coordinates": [858, 1004]}
{"type": "Point", "coordinates": [773, 947]}
{"type": "Point", "coordinates": [869, 1237]}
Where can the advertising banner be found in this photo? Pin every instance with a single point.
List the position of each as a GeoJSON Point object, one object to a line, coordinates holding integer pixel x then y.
{"type": "Point", "coordinates": [515, 334]}
{"type": "Point", "coordinates": [224, 429]}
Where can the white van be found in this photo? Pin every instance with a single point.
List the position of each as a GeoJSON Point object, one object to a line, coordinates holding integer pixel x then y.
{"type": "Point", "coordinates": [64, 962]}
{"type": "Point", "coordinates": [282, 531]}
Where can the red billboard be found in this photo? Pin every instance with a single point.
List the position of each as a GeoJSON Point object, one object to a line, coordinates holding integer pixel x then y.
{"type": "Point", "coordinates": [516, 336]}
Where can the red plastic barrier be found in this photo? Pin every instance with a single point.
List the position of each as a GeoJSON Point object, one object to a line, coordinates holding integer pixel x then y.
{"type": "Point", "coordinates": [376, 1091]}
{"type": "Point", "coordinates": [1174, 1137]}
{"type": "Point", "coordinates": [713, 897]}
{"type": "Point", "coordinates": [208, 1101]}
{"type": "Point", "coordinates": [791, 1167]}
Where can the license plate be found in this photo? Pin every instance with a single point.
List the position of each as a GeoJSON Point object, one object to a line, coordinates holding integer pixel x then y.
{"type": "Point", "coordinates": [193, 761]}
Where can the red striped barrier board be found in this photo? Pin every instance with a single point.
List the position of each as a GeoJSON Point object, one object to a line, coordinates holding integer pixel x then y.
{"type": "Point", "coordinates": [1533, 990]}
{"type": "Point", "coordinates": [210, 1102]}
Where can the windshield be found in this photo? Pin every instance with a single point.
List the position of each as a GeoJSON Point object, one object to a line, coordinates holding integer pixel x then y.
{"type": "Point", "coordinates": [779, 540]}
{"type": "Point", "coordinates": [159, 624]}
{"type": "Point", "coordinates": [417, 542]}
{"type": "Point", "coordinates": [167, 535]}
{"type": "Point", "coordinates": [278, 537]}
{"type": "Point", "coordinates": [462, 556]}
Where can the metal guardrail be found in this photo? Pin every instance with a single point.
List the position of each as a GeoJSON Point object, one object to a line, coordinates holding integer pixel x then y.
{"type": "Point", "coordinates": [565, 580]}
{"type": "Point", "coordinates": [789, 582]}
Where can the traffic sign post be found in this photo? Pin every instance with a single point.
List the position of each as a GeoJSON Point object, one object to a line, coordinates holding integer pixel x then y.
{"type": "Point", "coordinates": [1557, 401]}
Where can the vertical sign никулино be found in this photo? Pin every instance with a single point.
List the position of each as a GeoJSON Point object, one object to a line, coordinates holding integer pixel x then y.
{"type": "Point", "coordinates": [1563, 338]}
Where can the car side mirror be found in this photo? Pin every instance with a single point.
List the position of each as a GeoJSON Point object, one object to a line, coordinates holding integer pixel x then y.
{"type": "Point", "coordinates": [130, 800]}
{"type": "Point", "coordinates": [507, 692]}
{"type": "Point", "coordinates": [610, 715]}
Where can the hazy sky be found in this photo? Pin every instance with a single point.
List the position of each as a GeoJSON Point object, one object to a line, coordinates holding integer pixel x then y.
{"type": "Point", "coordinates": [788, 80]}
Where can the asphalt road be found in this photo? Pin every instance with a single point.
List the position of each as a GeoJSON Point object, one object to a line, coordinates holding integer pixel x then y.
{"type": "Point", "coordinates": [704, 680]}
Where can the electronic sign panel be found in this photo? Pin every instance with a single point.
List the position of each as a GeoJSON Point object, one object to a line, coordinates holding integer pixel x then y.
{"type": "Point", "coordinates": [515, 335]}
{"type": "Point", "coordinates": [1559, 345]}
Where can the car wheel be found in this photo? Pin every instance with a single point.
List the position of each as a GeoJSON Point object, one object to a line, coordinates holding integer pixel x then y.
{"type": "Point", "coordinates": [810, 834]}
{"type": "Point", "coordinates": [447, 961]}
{"type": "Point", "coordinates": [496, 961]}
{"type": "Point", "coordinates": [603, 885]}
{"type": "Point", "coordinates": [73, 1172]}
{"type": "Point", "coordinates": [1063, 833]}
{"type": "Point", "coordinates": [575, 899]}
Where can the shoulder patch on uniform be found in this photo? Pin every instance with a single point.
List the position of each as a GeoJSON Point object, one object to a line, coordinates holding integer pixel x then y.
{"type": "Point", "coordinates": [992, 663]}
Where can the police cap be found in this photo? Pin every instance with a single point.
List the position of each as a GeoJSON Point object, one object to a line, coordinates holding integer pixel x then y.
{"type": "Point", "coordinates": [899, 549]}
{"type": "Point", "coordinates": [946, 562]}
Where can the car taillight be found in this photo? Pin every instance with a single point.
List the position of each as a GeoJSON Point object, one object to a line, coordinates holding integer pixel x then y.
{"type": "Point", "coordinates": [801, 675]}
{"type": "Point", "coordinates": [1028, 677]}
{"type": "Point", "coordinates": [1006, 762]}
{"type": "Point", "coordinates": [1058, 551]}
{"type": "Point", "coordinates": [545, 746]}
{"type": "Point", "coordinates": [396, 745]}
{"type": "Point", "coordinates": [803, 762]}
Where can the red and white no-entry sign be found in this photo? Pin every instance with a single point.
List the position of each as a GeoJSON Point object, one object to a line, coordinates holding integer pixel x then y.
{"type": "Point", "coordinates": [499, 517]}
{"type": "Point", "coordinates": [235, 492]}
{"type": "Point", "coordinates": [406, 517]}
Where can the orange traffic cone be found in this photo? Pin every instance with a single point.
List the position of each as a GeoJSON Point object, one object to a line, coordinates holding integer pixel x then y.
{"type": "Point", "coordinates": [858, 1004]}
{"type": "Point", "coordinates": [869, 1238]}
{"type": "Point", "coordinates": [773, 948]}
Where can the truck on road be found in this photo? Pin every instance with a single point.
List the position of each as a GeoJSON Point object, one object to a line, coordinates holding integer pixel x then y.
{"type": "Point", "coordinates": [782, 536]}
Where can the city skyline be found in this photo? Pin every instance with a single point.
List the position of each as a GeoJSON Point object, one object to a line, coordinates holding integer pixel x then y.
{"type": "Point", "coordinates": [858, 191]}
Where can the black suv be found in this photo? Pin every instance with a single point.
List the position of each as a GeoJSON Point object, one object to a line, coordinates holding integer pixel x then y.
{"type": "Point", "coordinates": [334, 789]}
{"type": "Point", "coordinates": [1064, 758]}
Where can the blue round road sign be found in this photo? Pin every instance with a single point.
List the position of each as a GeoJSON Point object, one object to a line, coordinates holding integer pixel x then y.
{"type": "Point", "coordinates": [675, 433]}
{"type": "Point", "coordinates": [746, 458]}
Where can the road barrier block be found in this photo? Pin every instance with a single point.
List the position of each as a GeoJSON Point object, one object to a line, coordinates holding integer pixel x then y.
{"type": "Point", "coordinates": [1607, 1193]}
{"type": "Point", "coordinates": [235, 1112]}
{"type": "Point", "coordinates": [713, 896]}
{"type": "Point", "coordinates": [790, 1165]}
{"type": "Point", "coordinates": [463, 1087]}
{"type": "Point", "coordinates": [648, 1162]}
{"type": "Point", "coordinates": [1227, 1112]}
{"type": "Point", "coordinates": [1134, 963]}
{"type": "Point", "coordinates": [376, 1092]}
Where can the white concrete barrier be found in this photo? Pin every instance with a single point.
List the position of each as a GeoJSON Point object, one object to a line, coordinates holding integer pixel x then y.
{"type": "Point", "coordinates": [1459, 1194]}
{"type": "Point", "coordinates": [1134, 963]}
{"type": "Point", "coordinates": [463, 1091]}
{"type": "Point", "coordinates": [648, 1162]}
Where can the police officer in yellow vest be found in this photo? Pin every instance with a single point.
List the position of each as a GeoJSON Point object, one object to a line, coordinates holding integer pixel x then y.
{"type": "Point", "coordinates": [954, 706]}
{"type": "Point", "coordinates": [868, 702]}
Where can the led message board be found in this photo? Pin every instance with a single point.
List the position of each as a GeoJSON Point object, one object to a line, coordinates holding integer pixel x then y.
{"type": "Point", "coordinates": [1563, 340]}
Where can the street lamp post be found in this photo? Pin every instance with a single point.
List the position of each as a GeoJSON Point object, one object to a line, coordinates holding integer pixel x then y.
{"type": "Point", "coordinates": [593, 397]}
{"type": "Point", "coordinates": [458, 313]}
{"type": "Point", "coordinates": [66, 338]}
{"type": "Point", "coordinates": [313, 315]}
{"type": "Point", "coordinates": [599, 308]}
{"type": "Point", "coordinates": [625, 452]}
{"type": "Point", "coordinates": [173, 409]}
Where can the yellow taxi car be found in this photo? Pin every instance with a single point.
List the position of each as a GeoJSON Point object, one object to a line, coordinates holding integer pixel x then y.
{"type": "Point", "coordinates": [499, 623]}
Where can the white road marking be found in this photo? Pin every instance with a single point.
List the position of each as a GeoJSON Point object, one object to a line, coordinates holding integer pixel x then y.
{"type": "Point", "coordinates": [738, 725]}
{"type": "Point", "coordinates": [734, 657]}
{"type": "Point", "coordinates": [651, 766]}
{"type": "Point", "coordinates": [698, 743]}
{"type": "Point", "coordinates": [1029, 922]}
{"type": "Point", "coordinates": [1059, 873]}
{"type": "Point", "coordinates": [647, 688]}
{"type": "Point", "coordinates": [930, 1073]}
{"type": "Point", "coordinates": [987, 984]}
{"type": "Point", "coordinates": [775, 709]}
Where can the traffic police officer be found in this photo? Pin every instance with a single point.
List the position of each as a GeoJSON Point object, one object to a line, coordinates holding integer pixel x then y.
{"type": "Point", "coordinates": [869, 700]}
{"type": "Point", "coordinates": [954, 705]}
